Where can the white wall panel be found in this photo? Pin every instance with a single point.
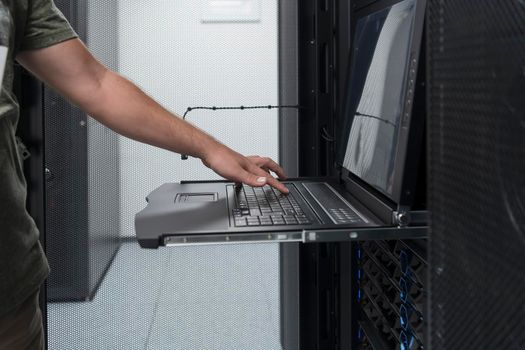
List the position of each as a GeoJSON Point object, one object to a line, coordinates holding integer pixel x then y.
{"type": "Point", "coordinates": [171, 54]}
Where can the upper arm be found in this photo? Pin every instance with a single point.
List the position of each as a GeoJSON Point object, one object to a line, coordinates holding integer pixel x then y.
{"type": "Point", "coordinates": [69, 68]}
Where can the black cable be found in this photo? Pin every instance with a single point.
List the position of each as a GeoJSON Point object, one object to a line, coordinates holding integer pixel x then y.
{"type": "Point", "coordinates": [326, 136]}
{"type": "Point", "coordinates": [242, 108]}
{"type": "Point", "coordinates": [214, 108]}
{"type": "Point", "coordinates": [375, 117]}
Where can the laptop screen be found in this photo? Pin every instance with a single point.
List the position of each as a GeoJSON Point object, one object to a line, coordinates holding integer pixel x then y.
{"type": "Point", "coordinates": [377, 90]}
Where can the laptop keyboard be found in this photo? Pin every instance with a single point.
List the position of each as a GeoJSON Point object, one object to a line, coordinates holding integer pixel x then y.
{"type": "Point", "coordinates": [265, 206]}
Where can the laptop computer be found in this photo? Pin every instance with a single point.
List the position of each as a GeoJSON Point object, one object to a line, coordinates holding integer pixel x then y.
{"type": "Point", "coordinates": [378, 150]}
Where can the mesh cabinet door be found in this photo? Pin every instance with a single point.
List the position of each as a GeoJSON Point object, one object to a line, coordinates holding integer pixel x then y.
{"type": "Point", "coordinates": [82, 186]}
{"type": "Point", "coordinates": [477, 173]}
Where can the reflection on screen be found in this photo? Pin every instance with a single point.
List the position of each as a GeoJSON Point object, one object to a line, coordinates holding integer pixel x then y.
{"type": "Point", "coordinates": [379, 69]}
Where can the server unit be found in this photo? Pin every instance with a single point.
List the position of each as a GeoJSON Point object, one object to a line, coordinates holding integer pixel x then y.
{"type": "Point", "coordinates": [391, 294]}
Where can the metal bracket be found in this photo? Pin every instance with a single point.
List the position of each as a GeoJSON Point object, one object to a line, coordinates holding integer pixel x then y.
{"type": "Point", "coordinates": [233, 238]}
{"type": "Point", "coordinates": [306, 236]}
{"type": "Point", "coordinates": [365, 234]}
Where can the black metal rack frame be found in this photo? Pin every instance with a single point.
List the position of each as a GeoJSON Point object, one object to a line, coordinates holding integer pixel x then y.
{"type": "Point", "coordinates": [331, 316]}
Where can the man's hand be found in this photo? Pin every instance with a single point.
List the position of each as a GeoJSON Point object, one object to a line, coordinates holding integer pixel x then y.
{"type": "Point", "coordinates": [253, 170]}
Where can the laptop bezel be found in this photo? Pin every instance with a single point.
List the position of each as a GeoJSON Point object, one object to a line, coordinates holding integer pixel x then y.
{"type": "Point", "coordinates": [406, 158]}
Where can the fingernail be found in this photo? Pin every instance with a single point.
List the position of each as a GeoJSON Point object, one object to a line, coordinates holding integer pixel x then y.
{"type": "Point", "coordinates": [261, 179]}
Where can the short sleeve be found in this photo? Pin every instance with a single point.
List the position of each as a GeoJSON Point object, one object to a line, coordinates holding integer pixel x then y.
{"type": "Point", "coordinates": [45, 26]}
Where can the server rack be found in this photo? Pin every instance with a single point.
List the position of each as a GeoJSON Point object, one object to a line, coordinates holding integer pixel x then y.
{"type": "Point", "coordinates": [317, 72]}
{"type": "Point", "coordinates": [475, 83]}
{"type": "Point", "coordinates": [351, 295]}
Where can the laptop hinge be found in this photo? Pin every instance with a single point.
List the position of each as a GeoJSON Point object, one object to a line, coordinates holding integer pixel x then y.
{"type": "Point", "coordinates": [404, 217]}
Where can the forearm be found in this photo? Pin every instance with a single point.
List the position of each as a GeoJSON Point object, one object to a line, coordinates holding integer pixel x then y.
{"type": "Point", "coordinates": [70, 69]}
{"type": "Point", "coordinates": [120, 105]}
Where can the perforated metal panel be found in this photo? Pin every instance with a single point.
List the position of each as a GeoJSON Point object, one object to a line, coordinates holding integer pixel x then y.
{"type": "Point", "coordinates": [82, 181]}
{"type": "Point", "coordinates": [217, 297]}
{"type": "Point", "coordinates": [477, 167]}
{"type": "Point", "coordinates": [189, 298]}
{"type": "Point", "coordinates": [102, 144]}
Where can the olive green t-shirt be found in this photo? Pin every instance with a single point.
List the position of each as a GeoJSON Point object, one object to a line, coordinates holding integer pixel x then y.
{"type": "Point", "coordinates": [24, 25]}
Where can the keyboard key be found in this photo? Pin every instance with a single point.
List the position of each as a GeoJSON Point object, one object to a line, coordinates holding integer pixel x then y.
{"type": "Point", "coordinates": [278, 221]}
{"type": "Point", "coordinates": [255, 212]}
{"type": "Point", "coordinates": [292, 221]}
{"type": "Point", "coordinates": [344, 215]}
{"type": "Point", "coordinates": [253, 221]}
{"type": "Point", "coordinates": [266, 221]}
{"type": "Point", "coordinates": [240, 222]}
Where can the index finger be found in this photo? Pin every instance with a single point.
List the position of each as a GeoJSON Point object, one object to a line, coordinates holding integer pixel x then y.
{"type": "Point", "coordinates": [273, 166]}
{"type": "Point", "coordinates": [270, 180]}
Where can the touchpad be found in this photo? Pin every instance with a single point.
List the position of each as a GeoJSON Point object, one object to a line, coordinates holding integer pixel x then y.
{"type": "Point", "coordinates": [196, 197]}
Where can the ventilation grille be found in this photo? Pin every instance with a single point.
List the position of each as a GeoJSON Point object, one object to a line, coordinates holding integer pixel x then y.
{"type": "Point", "coordinates": [392, 294]}
{"type": "Point", "coordinates": [477, 165]}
